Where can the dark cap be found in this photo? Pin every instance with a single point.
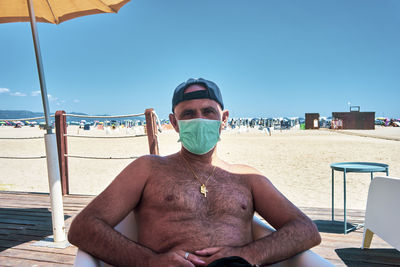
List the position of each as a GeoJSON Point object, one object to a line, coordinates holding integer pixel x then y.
{"type": "Point", "coordinates": [212, 92]}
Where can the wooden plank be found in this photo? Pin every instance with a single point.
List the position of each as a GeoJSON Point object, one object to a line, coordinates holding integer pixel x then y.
{"type": "Point", "coordinates": [30, 232]}
{"type": "Point", "coordinates": [24, 212]}
{"type": "Point", "coordinates": [46, 257]}
{"type": "Point", "coordinates": [25, 227]}
{"type": "Point", "coordinates": [30, 247]}
{"type": "Point", "coordinates": [66, 208]}
{"type": "Point", "coordinates": [12, 262]}
{"type": "Point", "coordinates": [29, 217]}
{"type": "Point", "coordinates": [22, 238]}
{"type": "Point", "coordinates": [24, 222]}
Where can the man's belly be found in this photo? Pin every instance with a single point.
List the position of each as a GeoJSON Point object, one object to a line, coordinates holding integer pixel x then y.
{"type": "Point", "coordinates": [164, 235]}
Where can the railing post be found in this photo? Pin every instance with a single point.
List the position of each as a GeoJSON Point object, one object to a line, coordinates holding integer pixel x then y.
{"type": "Point", "coordinates": [61, 130]}
{"type": "Point", "coordinates": [151, 127]}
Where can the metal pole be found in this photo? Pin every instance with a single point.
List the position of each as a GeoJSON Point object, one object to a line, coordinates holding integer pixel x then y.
{"type": "Point", "coordinates": [53, 171]}
{"type": "Point", "coordinates": [40, 67]}
{"type": "Point", "coordinates": [56, 200]}
{"type": "Point", "coordinates": [344, 198]}
{"type": "Point", "coordinates": [333, 196]}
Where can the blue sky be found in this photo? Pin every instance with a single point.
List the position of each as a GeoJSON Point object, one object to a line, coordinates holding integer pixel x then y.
{"type": "Point", "coordinates": [270, 58]}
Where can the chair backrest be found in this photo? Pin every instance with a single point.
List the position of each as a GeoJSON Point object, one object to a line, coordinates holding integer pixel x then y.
{"type": "Point", "coordinates": [382, 215]}
{"type": "Point", "coordinates": [128, 226]}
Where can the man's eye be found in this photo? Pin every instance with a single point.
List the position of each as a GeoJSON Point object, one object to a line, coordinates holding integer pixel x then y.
{"type": "Point", "coordinates": [186, 114]}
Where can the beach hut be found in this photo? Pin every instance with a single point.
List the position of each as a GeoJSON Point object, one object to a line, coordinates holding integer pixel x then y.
{"type": "Point", "coordinates": [312, 121]}
{"type": "Point", "coordinates": [356, 120]}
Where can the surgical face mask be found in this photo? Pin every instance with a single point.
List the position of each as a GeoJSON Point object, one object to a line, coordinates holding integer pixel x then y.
{"type": "Point", "coordinates": [199, 136]}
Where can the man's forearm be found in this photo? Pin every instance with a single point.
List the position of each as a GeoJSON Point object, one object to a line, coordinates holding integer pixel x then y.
{"type": "Point", "coordinates": [103, 242]}
{"type": "Point", "coordinates": [290, 239]}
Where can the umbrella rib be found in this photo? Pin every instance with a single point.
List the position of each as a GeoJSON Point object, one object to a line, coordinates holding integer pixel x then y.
{"type": "Point", "coordinates": [51, 10]}
{"type": "Point", "coordinates": [115, 11]}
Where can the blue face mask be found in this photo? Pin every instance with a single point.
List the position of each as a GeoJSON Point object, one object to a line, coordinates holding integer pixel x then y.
{"type": "Point", "coordinates": [199, 136]}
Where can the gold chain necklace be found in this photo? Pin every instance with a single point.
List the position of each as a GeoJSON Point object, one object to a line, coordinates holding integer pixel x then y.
{"type": "Point", "coordinates": [203, 188]}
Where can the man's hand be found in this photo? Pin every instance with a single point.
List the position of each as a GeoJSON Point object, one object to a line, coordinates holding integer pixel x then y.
{"type": "Point", "coordinates": [175, 259]}
{"type": "Point", "coordinates": [215, 253]}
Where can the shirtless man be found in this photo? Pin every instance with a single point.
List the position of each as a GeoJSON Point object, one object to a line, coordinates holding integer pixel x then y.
{"type": "Point", "coordinates": [192, 208]}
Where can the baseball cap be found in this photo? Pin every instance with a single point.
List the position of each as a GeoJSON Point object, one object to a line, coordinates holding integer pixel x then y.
{"type": "Point", "coordinates": [212, 92]}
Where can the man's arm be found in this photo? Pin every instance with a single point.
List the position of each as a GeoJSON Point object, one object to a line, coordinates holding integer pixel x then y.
{"type": "Point", "coordinates": [92, 230]}
{"type": "Point", "coordinates": [295, 231]}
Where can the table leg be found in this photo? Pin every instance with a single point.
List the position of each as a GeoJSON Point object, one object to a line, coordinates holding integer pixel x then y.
{"type": "Point", "coordinates": [344, 198]}
{"type": "Point", "coordinates": [333, 197]}
{"type": "Point", "coordinates": [387, 171]}
{"type": "Point", "coordinates": [372, 176]}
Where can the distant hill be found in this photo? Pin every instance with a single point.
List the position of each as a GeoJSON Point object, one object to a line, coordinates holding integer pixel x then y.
{"type": "Point", "coordinates": [19, 114]}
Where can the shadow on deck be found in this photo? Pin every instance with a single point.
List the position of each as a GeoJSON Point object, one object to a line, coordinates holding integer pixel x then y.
{"type": "Point", "coordinates": [18, 226]}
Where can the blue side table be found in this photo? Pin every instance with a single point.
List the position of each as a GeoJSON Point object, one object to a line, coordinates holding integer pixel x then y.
{"type": "Point", "coordinates": [346, 167]}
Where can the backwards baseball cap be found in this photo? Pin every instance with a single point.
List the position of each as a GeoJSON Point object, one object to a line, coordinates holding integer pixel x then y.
{"type": "Point", "coordinates": [212, 92]}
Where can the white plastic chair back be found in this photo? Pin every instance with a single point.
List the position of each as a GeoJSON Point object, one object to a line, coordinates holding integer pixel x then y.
{"type": "Point", "coordinates": [382, 216]}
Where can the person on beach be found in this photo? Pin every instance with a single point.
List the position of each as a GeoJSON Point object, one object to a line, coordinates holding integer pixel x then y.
{"type": "Point", "coordinates": [192, 208]}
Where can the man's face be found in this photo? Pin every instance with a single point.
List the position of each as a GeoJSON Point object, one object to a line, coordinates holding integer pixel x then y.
{"type": "Point", "coordinates": [198, 108]}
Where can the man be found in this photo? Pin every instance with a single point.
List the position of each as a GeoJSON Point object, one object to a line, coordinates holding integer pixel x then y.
{"type": "Point", "coordinates": [192, 208]}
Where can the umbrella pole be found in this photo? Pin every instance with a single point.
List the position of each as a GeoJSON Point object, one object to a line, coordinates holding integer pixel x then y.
{"type": "Point", "coordinates": [40, 67]}
{"type": "Point", "coordinates": [53, 171]}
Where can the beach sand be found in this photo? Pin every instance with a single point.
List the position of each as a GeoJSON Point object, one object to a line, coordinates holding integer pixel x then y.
{"type": "Point", "coordinates": [296, 161]}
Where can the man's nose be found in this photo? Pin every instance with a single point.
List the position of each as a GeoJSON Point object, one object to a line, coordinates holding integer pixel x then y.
{"type": "Point", "coordinates": [199, 115]}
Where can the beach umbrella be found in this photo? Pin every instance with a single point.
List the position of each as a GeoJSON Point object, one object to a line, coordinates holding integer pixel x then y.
{"type": "Point", "coordinates": [52, 11]}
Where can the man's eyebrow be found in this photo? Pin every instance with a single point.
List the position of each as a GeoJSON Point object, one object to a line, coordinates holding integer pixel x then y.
{"type": "Point", "coordinates": [209, 108]}
{"type": "Point", "coordinates": [188, 110]}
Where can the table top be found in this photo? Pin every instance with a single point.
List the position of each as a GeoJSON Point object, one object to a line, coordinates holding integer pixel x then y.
{"type": "Point", "coordinates": [360, 166]}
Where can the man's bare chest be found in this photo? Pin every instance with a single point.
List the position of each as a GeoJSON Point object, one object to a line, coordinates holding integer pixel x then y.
{"type": "Point", "coordinates": [224, 195]}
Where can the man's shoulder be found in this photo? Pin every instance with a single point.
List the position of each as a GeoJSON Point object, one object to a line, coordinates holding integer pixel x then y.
{"type": "Point", "coordinates": [241, 169]}
{"type": "Point", "coordinates": [144, 167]}
{"type": "Point", "coordinates": [151, 161]}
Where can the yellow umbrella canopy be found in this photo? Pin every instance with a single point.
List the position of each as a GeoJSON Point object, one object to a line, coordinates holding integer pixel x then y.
{"type": "Point", "coordinates": [56, 11]}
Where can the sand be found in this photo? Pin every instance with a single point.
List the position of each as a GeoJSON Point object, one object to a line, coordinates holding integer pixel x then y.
{"type": "Point", "coordinates": [296, 161]}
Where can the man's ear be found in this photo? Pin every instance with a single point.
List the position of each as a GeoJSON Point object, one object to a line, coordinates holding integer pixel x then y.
{"type": "Point", "coordinates": [174, 122]}
{"type": "Point", "coordinates": [225, 116]}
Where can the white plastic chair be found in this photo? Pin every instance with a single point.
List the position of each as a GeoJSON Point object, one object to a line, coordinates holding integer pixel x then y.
{"type": "Point", "coordinates": [128, 227]}
{"type": "Point", "coordinates": [382, 216]}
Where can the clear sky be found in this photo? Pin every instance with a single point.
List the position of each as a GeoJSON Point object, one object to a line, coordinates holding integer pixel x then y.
{"type": "Point", "coordinates": [270, 58]}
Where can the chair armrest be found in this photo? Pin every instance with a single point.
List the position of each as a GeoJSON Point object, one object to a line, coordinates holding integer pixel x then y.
{"type": "Point", "coordinates": [304, 259]}
{"type": "Point", "coordinates": [83, 259]}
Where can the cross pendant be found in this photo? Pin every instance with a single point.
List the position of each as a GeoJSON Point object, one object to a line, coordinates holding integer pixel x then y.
{"type": "Point", "coordinates": [203, 190]}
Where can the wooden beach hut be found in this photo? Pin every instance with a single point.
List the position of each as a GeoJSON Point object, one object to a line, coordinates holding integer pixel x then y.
{"type": "Point", "coordinates": [355, 120]}
{"type": "Point", "coordinates": [312, 121]}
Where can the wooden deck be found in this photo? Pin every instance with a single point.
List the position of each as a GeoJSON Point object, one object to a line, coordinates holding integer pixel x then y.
{"type": "Point", "coordinates": [25, 218]}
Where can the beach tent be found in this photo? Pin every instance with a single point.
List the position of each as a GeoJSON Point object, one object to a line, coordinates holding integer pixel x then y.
{"type": "Point", "coordinates": [52, 12]}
